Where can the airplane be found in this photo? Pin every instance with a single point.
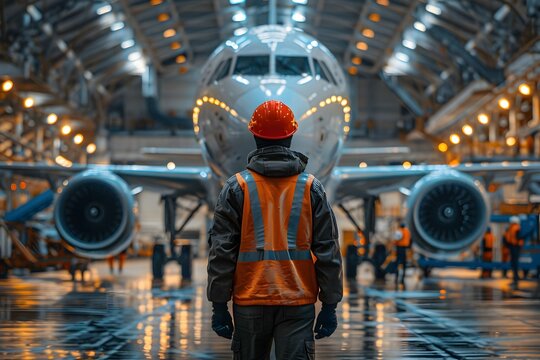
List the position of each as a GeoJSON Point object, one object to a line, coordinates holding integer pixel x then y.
{"type": "Point", "coordinates": [448, 209]}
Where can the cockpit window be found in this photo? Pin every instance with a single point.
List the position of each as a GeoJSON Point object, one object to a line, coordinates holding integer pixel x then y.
{"type": "Point", "coordinates": [292, 65]}
{"type": "Point", "coordinates": [319, 71]}
{"type": "Point", "coordinates": [222, 70]}
{"type": "Point", "coordinates": [252, 65]}
{"type": "Point", "coordinates": [323, 71]}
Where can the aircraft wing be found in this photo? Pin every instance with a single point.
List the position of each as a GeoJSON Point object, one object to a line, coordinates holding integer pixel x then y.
{"type": "Point", "coordinates": [354, 182]}
{"type": "Point", "coordinates": [183, 180]}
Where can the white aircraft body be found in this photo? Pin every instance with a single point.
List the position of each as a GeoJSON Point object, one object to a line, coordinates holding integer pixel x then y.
{"type": "Point", "coordinates": [447, 207]}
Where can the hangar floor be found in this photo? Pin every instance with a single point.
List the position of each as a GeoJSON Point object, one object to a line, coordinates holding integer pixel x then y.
{"type": "Point", "coordinates": [46, 316]}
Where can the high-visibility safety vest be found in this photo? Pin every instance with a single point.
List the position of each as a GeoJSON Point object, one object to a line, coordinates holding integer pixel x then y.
{"type": "Point", "coordinates": [405, 238]}
{"type": "Point", "coordinates": [511, 235]}
{"type": "Point", "coordinates": [487, 244]}
{"type": "Point", "coordinates": [275, 265]}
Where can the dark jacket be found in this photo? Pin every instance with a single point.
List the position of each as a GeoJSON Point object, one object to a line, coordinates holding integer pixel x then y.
{"type": "Point", "coordinates": [224, 236]}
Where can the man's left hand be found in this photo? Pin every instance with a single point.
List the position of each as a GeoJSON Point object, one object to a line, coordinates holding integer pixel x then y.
{"type": "Point", "coordinates": [221, 320]}
{"type": "Point", "coordinates": [326, 321]}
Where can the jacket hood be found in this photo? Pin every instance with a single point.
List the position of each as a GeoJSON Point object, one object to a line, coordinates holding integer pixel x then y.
{"type": "Point", "coordinates": [276, 161]}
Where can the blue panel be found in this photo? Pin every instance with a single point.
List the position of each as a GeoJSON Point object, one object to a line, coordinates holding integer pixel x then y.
{"type": "Point", "coordinates": [30, 208]}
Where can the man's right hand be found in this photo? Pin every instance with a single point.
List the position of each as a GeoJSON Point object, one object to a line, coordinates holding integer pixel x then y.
{"type": "Point", "coordinates": [221, 320]}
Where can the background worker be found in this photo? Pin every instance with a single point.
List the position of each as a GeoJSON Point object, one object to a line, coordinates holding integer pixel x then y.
{"type": "Point", "coordinates": [274, 248]}
{"type": "Point", "coordinates": [487, 252]}
{"type": "Point", "coordinates": [402, 241]}
{"type": "Point", "coordinates": [515, 242]}
{"type": "Point", "coordinates": [121, 261]}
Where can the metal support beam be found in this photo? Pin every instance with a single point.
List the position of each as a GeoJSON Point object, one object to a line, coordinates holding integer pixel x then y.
{"type": "Point", "coordinates": [449, 40]}
{"type": "Point", "coordinates": [139, 35]}
{"type": "Point", "coordinates": [412, 104]}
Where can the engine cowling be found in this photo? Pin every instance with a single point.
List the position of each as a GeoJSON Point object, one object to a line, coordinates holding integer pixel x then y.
{"type": "Point", "coordinates": [94, 214]}
{"type": "Point", "coordinates": [447, 212]}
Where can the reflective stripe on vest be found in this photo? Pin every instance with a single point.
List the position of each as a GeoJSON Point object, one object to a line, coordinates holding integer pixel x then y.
{"type": "Point", "coordinates": [274, 255]}
{"type": "Point", "coordinates": [256, 211]}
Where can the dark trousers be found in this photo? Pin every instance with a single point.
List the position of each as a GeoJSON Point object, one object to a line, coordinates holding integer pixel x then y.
{"type": "Point", "coordinates": [290, 327]}
{"type": "Point", "coordinates": [401, 264]}
{"type": "Point", "coordinates": [515, 251]}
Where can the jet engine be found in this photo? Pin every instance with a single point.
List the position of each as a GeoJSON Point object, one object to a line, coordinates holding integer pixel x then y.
{"type": "Point", "coordinates": [94, 214]}
{"type": "Point", "coordinates": [447, 212]}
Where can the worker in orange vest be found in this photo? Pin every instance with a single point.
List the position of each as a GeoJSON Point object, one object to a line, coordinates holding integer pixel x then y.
{"type": "Point", "coordinates": [402, 241]}
{"type": "Point", "coordinates": [487, 252]}
{"type": "Point", "coordinates": [515, 242]}
{"type": "Point", "coordinates": [274, 249]}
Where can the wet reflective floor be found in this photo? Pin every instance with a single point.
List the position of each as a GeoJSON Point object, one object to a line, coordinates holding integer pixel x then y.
{"type": "Point", "coordinates": [46, 316]}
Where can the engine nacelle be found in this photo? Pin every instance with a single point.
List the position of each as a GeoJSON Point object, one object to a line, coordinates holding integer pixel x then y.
{"type": "Point", "coordinates": [447, 212]}
{"type": "Point", "coordinates": [94, 214]}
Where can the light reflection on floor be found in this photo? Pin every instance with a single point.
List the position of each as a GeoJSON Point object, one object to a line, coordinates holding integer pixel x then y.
{"type": "Point", "coordinates": [46, 316]}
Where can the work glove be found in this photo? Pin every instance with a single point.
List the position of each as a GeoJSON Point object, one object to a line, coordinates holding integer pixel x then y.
{"type": "Point", "coordinates": [326, 321]}
{"type": "Point", "coordinates": [221, 320]}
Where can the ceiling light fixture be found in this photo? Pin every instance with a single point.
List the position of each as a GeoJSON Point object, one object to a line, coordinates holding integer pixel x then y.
{"type": "Point", "coordinates": [66, 130]}
{"type": "Point", "coordinates": [91, 148]}
{"type": "Point", "coordinates": [28, 102]}
{"type": "Point", "coordinates": [298, 17]}
{"type": "Point", "coordinates": [402, 57]}
{"type": "Point", "coordinates": [435, 10]}
{"type": "Point", "coordinates": [368, 33]}
{"type": "Point", "coordinates": [169, 33]}
{"type": "Point", "coordinates": [442, 147]}
{"type": "Point", "coordinates": [239, 16]}
{"type": "Point", "coordinates": [409, 44]}
{"type": "Point", "coordinates": [524, 89]}
{"type": "Point", "coordinates": [52, 118]}
{"type": "Point", "coordinates": [117, 26]}
{"type": "Point", "coordinates": [127, 44]}
{"type": "Point", "coordinates": [104, 9]}
{"type": "Point", "coordinates": [240, 31]}
{"type": "Point", "coordinates": [504, 103]}
{"type": "Point", "coordinates": [7, 85]}
{"type": "Point", "coordinates": [134, 56]}
{"type": "Point", "coordinates": [467, 130]}
{"type": "Point", "coordinates": [454, 139]}
{"type": "Point", "coordinates": [374, 17]}
{"type": "Point", "coordinates": [419, 26]}
{"type": "Point", "coordinates": [362, 45]}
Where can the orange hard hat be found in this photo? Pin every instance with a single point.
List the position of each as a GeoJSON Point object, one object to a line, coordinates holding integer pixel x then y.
{"type": "Point", "coordinates": [273, 120]}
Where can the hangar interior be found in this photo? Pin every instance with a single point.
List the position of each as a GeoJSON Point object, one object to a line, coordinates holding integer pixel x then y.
{"type": "Point", "coordinates": [103, 110]}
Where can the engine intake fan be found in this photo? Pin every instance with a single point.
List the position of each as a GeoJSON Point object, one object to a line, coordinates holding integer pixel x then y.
{"type": "Point", "coordinates": [94, 214]}
{"type": "Point", "coordinates": [448, 212]}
